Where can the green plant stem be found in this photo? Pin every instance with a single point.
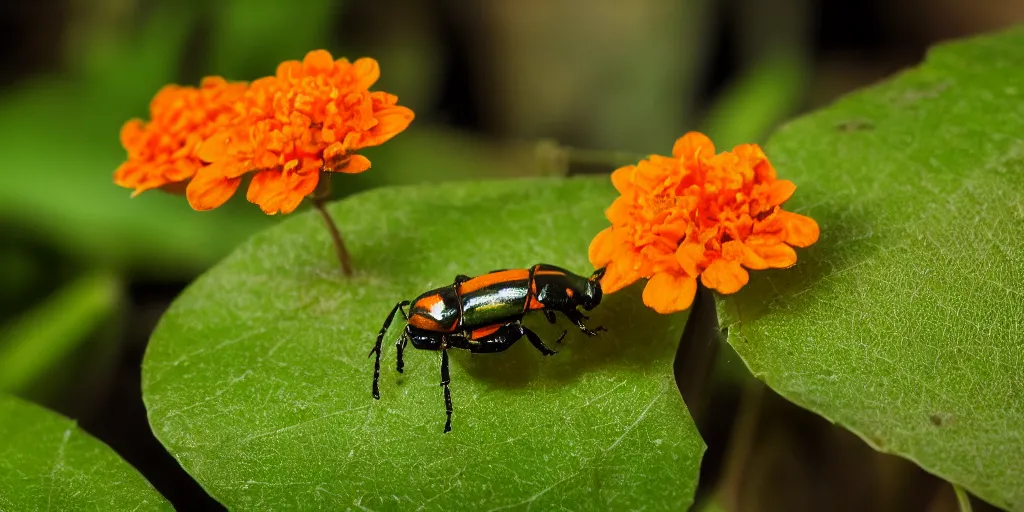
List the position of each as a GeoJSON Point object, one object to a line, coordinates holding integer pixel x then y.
{"type": "Point", "coordinates": [962, 498]}
{"type": "Point", "coordinates": [742, 440]}
{"type": "Point", "coordinates": [319, 198]}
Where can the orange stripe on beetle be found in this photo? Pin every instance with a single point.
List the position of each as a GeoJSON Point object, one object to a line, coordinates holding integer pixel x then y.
{"type": "Point", "coordinates": [483, 332]}
{"type": "Point", "coordinates": [427, 323]}
{"type": "Point", "coordinates": [494, 278]}
{"type": "Point", "coordinates": [429, 303]}
{"type": "Point", "coordinates": [548, 273]}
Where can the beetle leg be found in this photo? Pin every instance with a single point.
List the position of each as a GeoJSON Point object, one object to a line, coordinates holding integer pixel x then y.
{"type": "Point", "coordinates": [577, 318]}
{"type": "Point", "coordinates": [400, 345]}
{"type": "Point", "coordinates": [377, 347]}
{"type": "Point", "coordinates": [535, 340]}
{"type": "Point", "coordinates": [550, 315]}
{"type": "Point", "coordinates": [445, 380]}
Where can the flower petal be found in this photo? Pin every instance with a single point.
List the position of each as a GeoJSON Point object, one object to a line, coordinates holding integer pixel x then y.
{"type": "Point", "coordinates": [738, 251]}
{"type": "Point", "coordinates": [354, 164]}
{"type": "Point", "coordinates": [668, 293]}
{"type": "Point", "coordinates": [603, 247]}
{"type": "Point", "coordinates": [776, 255]}
{"type": "Point", "coordinates": [622, 179]}
{"type": "Point", "coordinates": [800, 230]}
{"type": "Point", "coordinates": [725, 276]}
{"type": "Point", "coordinates": [690, 257]}
{"type": "Point", "coordinates": [366, 72]}
{"type": "Point", "coordinates": [779, 192]}
{"type": "Point", "coordinates": [215, 147]}
{"type": "Point", "coordinates": [276, 191]}
{"type": "Point", "coordinates": [620, 273]}
{"type": "Point", "coordinates": [209, 188]}
{"type": "Point", "coordinates": [317, 61]}
{"type": "Point", "coordinates": [618, 212]}
{"type": "Point", "coordinates": [690, 145]}
{"type": "Point", "coordinates": [389, 122]}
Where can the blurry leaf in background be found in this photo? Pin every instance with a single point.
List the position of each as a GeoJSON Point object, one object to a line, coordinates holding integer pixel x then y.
{"type": "Point", "coordinates": [47, 462]}
{"type": "Point", "coordinates": [902, 323]}
{"type": "Point", "coordinates": [247, 39]}
{"type": "Point", "coordinates": [620, 75]}
{"type": "Point", "coordinates": [257, 379]}
{"type": "Point", "coordinates": [761, 98]}
{"type": "Point", "coordinates": [432, 155]}
{"type": "Point", "coordinates": [34, 344]}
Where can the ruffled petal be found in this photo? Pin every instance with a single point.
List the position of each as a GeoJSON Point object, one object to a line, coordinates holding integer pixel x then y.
{"type": "Point", "coordinates": [739, 251]}
{"type": "Point", "coordinates": [620, 273]}
{"type": "Point", "coordinates": [690, 257]}
{"type": "Point", "coordinates": [317, 61]}
{"type": "Point", "coordinates": [354, 164]}
{"type": "Point", "coordinates": [725, 276]}
{"type": "Point", "coordinates": [390, 122]}
{"type": "Point", "coordinates": [276, 191]}
{"type": "Point", "coordinates": [618, 213]}
{"type": "Point", "coordinates": [209, 188]}
{"type": "Point", "coordinates": [365, 71]}
{"type": "Point", "coordinates": [622, 179]}
{"type": "Point", "coordinates": [777, 255]}
{"type": "Point", "coordinates": [799, 230]}
{"type": "Point", "coordinates": [778, 192]}
{"type": "Point", "coordinates": [603, 248]}
{"type": "Point", "coordinates": [668, 293]}
{"type": "Point", "coordinates": [689, 146]}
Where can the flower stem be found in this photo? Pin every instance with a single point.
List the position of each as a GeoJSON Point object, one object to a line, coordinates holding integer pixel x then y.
{"type": "Point", "coordinates": [319, 198]}
{"type": "Point", "coordinates": [962, 498]}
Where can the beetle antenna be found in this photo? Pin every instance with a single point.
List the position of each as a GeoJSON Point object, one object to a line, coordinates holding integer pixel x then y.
{"type": "Point", "coordinates": [380, 340]}
{"type": "Point", "coordinates": [598, 274]}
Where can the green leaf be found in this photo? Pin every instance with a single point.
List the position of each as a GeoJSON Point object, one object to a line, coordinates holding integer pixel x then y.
{"type": "Point", "coordinates": [247, 42]}
{"type": "Point", "coordinates": [903, 323]}
{"type": "Point", "coordinates": [47, 462]}
{"type": "Point", "coordinates": [257, 379]}
{"type": "Point", "coordinates": [35, 342]}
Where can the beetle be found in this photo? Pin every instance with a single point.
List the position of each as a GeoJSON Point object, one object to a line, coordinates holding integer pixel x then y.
{"type": "Point", "coordinates": [484, 314]}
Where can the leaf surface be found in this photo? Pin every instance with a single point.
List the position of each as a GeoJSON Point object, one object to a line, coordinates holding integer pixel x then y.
{"type": "Point", "coordinates": [48, 463]}
{"type": "Point", "coordinates": [904, 322]}
{"type": "Point", "coordinates": [257, 379]}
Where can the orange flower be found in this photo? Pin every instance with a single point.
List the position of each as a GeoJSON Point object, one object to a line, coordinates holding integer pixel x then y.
{"type": "Point", "coordinates": [310, 117]}
{"type": "Point", "coordinates": [162, 152]}
{"type": "Point", "coordinates": [697, 214]}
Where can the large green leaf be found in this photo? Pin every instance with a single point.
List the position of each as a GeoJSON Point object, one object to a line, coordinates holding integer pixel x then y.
{"type": "Point", "coordinates": [47, 462]}
{"type": "Point", "coordinates": [904, 322]}
{"type": "Point", "coordinates": [257, 379]}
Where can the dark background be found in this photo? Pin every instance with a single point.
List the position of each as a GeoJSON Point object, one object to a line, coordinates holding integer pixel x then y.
{"type": "Point", "coordinates": [498, 87]}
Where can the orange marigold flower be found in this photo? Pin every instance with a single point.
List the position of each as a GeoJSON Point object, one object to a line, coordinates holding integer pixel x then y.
{"type": "Point", "coordinates": [310, 117]}
{"type": "Point", "coordinates": [697, 214]}
{"type": "Point", "coordinates": [162, 152]}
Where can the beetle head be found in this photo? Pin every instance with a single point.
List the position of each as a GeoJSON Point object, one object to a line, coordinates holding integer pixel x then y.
{"type": "Point", "coordinates": [593, 294]}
